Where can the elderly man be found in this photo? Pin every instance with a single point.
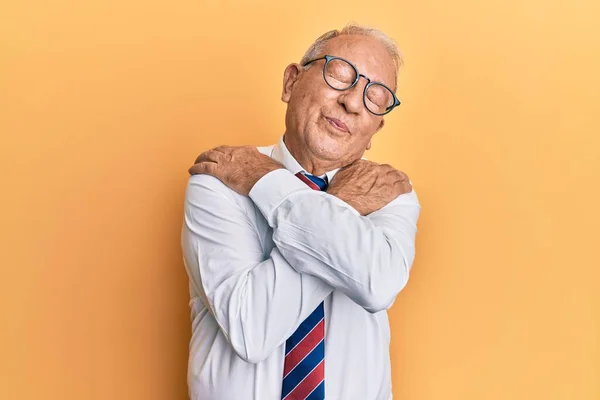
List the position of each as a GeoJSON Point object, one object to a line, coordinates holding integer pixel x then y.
{"type": "Point", "coordinates": [295, 251]}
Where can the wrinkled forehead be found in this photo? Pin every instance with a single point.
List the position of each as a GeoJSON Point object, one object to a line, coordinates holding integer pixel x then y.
{"type": "Point", "coordinates": [368, 54]}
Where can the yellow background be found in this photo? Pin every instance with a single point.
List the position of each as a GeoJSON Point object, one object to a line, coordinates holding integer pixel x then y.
{"type": "Point", "coordinates": [104, 104]}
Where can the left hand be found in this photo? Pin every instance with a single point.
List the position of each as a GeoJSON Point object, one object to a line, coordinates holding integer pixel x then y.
{"type": "Point", "coordinates": [238, 167]}
{"type": "Point", "coordinates": [368, 186]}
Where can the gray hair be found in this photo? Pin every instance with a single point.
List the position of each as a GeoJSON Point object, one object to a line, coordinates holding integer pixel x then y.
{"type": "Point", "coordinates": [315, 50]}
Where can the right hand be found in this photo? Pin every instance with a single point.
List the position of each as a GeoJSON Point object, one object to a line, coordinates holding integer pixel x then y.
{"type": "Point", "coordinates": [238, 167]}
{"type": "Point", "coordinates": [368, 186]}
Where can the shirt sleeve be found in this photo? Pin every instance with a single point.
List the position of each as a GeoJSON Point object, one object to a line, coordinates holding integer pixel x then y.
{"type": "Point", "coordinates": [367, 258]}
{"type": "Point", "coordinates": [257, 299]}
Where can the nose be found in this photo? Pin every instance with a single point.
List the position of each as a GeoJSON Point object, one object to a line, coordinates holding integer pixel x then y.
{"type": "Point", "coordinates": [352, 99]}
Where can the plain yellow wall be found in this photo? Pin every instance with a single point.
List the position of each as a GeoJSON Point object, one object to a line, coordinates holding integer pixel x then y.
{"type": "Point", "coordinates": [104, 105]}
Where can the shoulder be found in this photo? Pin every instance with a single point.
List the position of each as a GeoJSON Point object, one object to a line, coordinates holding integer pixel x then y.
{"type": "Point", "coordinates": [266, 150]}
{"type": "Point", "coordinates": [409, 199]}
{"type": "Point", "coordinates": [207, 188]}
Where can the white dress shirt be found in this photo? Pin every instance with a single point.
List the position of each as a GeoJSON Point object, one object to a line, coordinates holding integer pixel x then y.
{"type": "Point", "coordinates": [259, 265]}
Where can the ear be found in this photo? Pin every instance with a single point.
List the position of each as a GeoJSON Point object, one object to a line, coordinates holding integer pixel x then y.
{"type": "Point", "coordinates": [290, 77]}
{"type": "Point", "coordinates": [381, 124]}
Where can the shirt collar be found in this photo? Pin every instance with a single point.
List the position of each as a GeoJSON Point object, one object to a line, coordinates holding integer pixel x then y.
{"type": "Point", "coordinates": [282, 154]}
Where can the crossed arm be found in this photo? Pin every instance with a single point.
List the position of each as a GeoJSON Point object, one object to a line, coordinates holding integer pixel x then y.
{"type": "Point", "coordinates": [321, 244]}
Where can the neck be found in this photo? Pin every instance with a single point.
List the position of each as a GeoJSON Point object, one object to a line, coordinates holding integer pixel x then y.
{"type": "Point", "coordinates": [307, 160]}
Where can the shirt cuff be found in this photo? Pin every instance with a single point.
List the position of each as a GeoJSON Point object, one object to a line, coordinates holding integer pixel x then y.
{"type": "Point", "coordinates": [272, 189]}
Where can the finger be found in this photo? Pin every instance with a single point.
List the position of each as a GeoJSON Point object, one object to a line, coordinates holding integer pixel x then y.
{"type": "Point", "coordinates": [222, 149]}
{"type": "Point", "coordinates": [213, 155]}
{"type": "Point", "coordinates": [206, 156]}
{"type": "Point", "coordinates": [403, 176]}
{"type": "Point", "coordinates": [204, 167]}
{"type": "Point", "coordinates": [402, 187]}
{"type": "Point", "coordinates": [399, 175]}
{"type": "Point", "coordinates": [393, 174]}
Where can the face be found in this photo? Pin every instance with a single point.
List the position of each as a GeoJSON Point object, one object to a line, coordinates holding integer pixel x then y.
{"type": "Point", "coordinates": [335, 126]}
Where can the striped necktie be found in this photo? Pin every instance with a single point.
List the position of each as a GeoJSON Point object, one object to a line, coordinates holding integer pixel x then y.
{"type": "Point", "coordinates": [304, 365]}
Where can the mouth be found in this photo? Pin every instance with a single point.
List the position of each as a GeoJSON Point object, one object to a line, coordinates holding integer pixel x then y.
{"type": "Point", "coordinates": [337, 124]}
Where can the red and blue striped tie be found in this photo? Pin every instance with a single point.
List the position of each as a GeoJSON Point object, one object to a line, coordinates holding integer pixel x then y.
{"type": "Point", "coordinates": [304, 365]}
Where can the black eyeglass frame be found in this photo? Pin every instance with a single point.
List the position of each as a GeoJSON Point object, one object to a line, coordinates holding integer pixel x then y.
{"type": "Point", "coordinates": [329, 58]}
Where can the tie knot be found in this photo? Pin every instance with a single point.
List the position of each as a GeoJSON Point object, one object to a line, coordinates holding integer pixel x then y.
{"type": "Point", "coordinates": [313, 181]}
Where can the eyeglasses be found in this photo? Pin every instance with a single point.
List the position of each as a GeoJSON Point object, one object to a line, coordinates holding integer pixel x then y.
{"type": "Point", "coordinates": [341, 74]}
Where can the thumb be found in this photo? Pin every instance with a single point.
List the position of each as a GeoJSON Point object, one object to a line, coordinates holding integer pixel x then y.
{"type": "Point", "coordinates": [206, 167]}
